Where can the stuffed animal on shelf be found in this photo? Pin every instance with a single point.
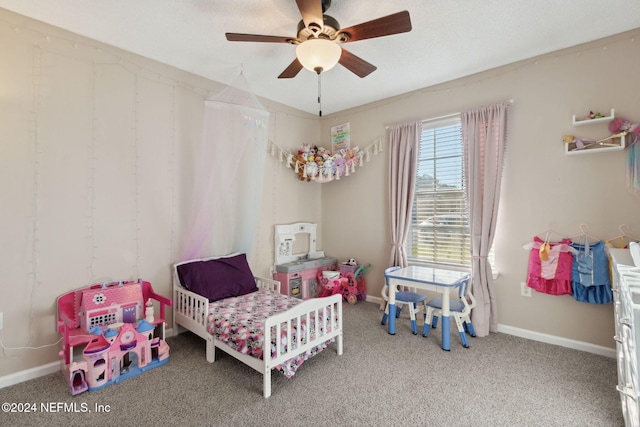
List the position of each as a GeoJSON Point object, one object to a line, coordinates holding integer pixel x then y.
{"type": "Point", "coordinates": [593, 115]}
{"type": "Point", "coordinates": [312, 169]}
{"type": "Point", "coordinates": [300, 166]}
{"type": "Point", "coordinates": [305, 150]}
{"type": "Point", "coordinates": [341, 166]}
{"type": "Point", "coordinates": [327, 167]}
{"type": "Point", "coordinates": [322, 152]}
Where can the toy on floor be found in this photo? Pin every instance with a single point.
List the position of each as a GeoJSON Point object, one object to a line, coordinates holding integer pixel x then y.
{"type": "Point", "coordinates": [356, 289]}
{"type": "Point", "coordinates": [350, 283]}
{"type": "Point", "coordinates": [118, 332]}
{"type": "Point", "coordinates": [330, 286]}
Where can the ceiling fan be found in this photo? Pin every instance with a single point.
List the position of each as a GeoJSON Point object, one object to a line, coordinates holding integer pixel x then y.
{"type": "Point", "coordinates": [319, 37]}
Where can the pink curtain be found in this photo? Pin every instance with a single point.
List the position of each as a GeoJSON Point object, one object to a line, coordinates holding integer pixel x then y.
{"type": "Point", "coordinates": [404, 143]}
{"type": "Point", "coordinates": [484, 136]}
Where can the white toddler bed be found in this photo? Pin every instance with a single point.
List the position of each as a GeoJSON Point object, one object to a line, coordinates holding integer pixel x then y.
{"type": "Point", "coordinates": [195, 312]}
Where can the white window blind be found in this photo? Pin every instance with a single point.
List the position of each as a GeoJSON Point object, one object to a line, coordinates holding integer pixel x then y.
{"type": "Point", "coordinates": [439, 225]}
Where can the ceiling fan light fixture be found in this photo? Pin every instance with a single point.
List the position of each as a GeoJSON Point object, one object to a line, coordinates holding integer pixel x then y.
{"type": "Point", "coordinates": [318, 54]}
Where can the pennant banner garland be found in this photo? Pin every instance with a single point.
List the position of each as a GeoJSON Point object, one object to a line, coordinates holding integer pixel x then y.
{"type": "Point", "coordinates": [320, 165]}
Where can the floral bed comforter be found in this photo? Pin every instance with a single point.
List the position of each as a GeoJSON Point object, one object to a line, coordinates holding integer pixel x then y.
{"type": "Point", "coordinates": [239, 322]}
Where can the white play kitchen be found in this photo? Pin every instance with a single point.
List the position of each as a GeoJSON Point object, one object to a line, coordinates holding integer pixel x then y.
{"type": "Point", "coordinates": [297, 268]}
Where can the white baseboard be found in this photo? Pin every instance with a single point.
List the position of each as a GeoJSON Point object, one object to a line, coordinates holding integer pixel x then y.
{"type": "Point", "coordinates": [29, 374]}
{"type": "Point", "coordinates": [546, 338]}
{"type": "Point", "coordinates": [377, 300]}
{"type": "Point", "coordinates": [563, 342]}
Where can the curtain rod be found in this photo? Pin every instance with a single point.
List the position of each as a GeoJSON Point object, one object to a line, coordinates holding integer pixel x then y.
{"type": "Point", "coordinates": [511, 101]}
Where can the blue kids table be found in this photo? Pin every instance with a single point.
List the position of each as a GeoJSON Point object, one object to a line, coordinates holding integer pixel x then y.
{"type": "Point", "coordinates": [432, 279]}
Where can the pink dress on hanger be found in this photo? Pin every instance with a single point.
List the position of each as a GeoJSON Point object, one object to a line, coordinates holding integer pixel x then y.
{"type": "Point", "coordinates": [550, 273]}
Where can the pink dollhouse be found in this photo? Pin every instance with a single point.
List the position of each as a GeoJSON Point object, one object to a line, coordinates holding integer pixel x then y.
{"type": "Point", "coordinates": [118, 332]}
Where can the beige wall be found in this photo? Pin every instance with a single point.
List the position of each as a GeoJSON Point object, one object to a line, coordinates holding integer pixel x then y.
{"type": "Point", "coordinates": [96, 152]}
{"type": "Point", "coordinates": [97, 144]}
{"type": "Point", "coordinates": [541, 185]}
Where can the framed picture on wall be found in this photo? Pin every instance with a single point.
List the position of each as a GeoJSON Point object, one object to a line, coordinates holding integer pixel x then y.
{"type": "Point", "coordinates": [340, 137]}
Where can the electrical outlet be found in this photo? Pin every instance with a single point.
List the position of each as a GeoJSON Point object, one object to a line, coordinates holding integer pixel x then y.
{"type": "Point", "coordinates": [525, 291]}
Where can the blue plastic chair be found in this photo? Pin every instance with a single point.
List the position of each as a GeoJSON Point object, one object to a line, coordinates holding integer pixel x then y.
{"type": "Point", "coordinates": [459, 309]}
{"type": "Point", "coordinates": [410, 299]}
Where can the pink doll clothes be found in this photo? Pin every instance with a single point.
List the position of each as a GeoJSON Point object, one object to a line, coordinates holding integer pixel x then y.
{"type": "Point", "coordinates": [553, 275]}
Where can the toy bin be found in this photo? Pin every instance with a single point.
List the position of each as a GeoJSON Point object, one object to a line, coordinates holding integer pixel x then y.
{"type": "Point", "coordinates": [346, 268]}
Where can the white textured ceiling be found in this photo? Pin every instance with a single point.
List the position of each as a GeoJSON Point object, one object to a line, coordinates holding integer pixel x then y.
{"type": "Point", "coordinates": [449, 39]}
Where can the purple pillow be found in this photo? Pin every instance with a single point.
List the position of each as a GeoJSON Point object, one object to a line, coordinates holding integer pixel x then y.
{"type": "Point", "coordinates": [218, 278]}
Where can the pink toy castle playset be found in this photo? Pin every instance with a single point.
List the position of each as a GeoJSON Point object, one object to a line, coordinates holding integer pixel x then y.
{"type": "Point", "coordinates": [116, 327]}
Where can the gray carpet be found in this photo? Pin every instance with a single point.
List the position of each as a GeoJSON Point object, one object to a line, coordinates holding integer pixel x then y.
{"type": "Point", "coordinates": [380, 380]}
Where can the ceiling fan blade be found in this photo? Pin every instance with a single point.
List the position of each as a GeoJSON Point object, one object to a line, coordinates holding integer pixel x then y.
{"type": "Point", "coordinates": [387, 25]}
{"type": "Point", "coordinates": [235, 37]}
{"type": "Point", "coordinates": [311, 11]}
{"type": "Point", "coordinates": [355, 64]}
{"type": "Point", "coordinates": [292, 70]}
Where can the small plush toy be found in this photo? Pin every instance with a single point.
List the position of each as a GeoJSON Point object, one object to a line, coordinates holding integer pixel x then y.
{"type": "Point", "coordinates": [327, 167]}
{"type": "Point", "coordinates": [300, 166]}
{"type": "Point", "coordinates": [312, 170]}
{"type": "Point", "coordinates": [341, 165]}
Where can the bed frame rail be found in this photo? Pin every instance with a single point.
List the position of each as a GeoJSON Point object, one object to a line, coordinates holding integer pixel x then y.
{"type": "Point", "coordinates": [326, 314]}
{"type": "Point", "coordinates": [191, 310]}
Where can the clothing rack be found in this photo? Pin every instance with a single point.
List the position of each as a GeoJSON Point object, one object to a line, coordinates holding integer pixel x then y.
{"type": "Point", "coordinates": [583, 227]}
{"type": "Point", "coordinates": [551, 235]}
{"type": "Point", "coordinates": [584, 233]}
{"type": "Point", "coordinates": [572, 265]}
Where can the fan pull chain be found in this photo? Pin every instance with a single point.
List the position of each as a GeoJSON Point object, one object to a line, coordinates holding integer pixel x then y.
{"type": "Point", "coordinates": [319, 94]}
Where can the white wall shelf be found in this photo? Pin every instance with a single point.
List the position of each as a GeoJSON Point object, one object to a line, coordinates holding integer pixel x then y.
{"type": "Point", "coordinates": [610, 117]}
{"type": "Point", "coordinates": [613, 144]}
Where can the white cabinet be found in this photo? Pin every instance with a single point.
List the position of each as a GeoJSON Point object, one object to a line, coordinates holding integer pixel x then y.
{"type": "Point", "coordinates": [613, 144]}
{"type": "Point", "coordinates": [627, 336]}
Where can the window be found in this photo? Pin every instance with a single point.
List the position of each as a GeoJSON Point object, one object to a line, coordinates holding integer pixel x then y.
{"type": "Point", "coordinates": [439, 231]}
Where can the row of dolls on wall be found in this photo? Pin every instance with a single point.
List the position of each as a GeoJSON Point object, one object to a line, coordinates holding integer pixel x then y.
{"type": "Point", "coordinates": [577, 265]}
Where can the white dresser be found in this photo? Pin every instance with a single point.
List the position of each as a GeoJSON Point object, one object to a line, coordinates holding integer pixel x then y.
{"type": "Point", "coordinates": [626, 292]}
